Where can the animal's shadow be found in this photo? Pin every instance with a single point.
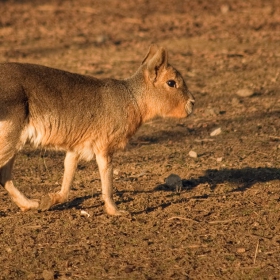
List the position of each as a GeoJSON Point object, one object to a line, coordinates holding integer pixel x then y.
{"type": "Point", "coordinates": [75, 203]}
{"type": "Point", "coordinates": [243, 179]}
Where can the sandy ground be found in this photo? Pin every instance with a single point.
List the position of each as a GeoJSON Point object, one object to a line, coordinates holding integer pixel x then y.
{"type": "Point", "coordinates": [224, 224]}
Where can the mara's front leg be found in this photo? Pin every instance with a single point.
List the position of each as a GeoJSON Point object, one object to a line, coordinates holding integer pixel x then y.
{"type": "Point", "coordinates": [105, 166]}
{"type": "Point", "coordinates": [70, 165]}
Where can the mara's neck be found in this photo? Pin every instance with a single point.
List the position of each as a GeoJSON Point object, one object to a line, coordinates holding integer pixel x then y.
{"type": "Point", "coordinates": [137, 86]}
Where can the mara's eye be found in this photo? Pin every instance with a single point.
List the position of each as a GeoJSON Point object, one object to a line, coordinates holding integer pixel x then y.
{"type": "Point", "coordinates": [171, 83]}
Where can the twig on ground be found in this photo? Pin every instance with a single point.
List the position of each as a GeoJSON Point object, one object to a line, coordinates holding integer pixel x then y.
{"type": "Point", "coordinates": [256, 251]}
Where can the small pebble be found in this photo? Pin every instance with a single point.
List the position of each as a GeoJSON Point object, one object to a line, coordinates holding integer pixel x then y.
{"type": "Point", "coordinates": [193, 154]}
{"type": "Point", "coordinates": [9, 250]}
{"type": "Point", "coordinates": [224, 9]}
{"type": "Point", "coordinates": [48, 275]}
{"type": "Point", "coordinates": [256, 224]}
{"type": "Point", "coordinates": [116, 172]}
{"type": "Point", "coordinates": [85, 213]}
{"type": "Point", "coordinates": [101, 39]}
{"type": "Point", "coordinates": [245, 92]}
{"type": "Point", "coordinates": [216, 132]}
{"type": "Point", "coordinates": [241, 250]}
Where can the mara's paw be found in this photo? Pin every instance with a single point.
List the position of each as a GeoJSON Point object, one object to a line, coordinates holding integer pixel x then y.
{"type": "Point", "coordinates": [116, 212]}
{"type": "Point", "coordinates": [29, 205]}
{"type": "Point", "coordinates": [46, 202]}
{"type": "Point", "coordinates": [121, 213]}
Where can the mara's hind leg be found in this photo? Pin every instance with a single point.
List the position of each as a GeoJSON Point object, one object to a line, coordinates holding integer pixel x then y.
{"type": "Point", "coordinates": [11, 128]}
{"type": "Point", "coordinates": [13, 119]}
{"type": "Point", "coordinates": [19, 198]}
{"type": "Point", "coordinates": [70, 165]}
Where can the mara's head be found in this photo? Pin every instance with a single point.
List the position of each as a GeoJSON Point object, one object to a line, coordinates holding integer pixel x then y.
{"type": "Point", "coordinates": [166, 94]}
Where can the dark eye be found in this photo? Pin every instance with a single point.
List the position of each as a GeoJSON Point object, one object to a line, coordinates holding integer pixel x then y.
{"type": "Point", "coordinates": [171, 83]}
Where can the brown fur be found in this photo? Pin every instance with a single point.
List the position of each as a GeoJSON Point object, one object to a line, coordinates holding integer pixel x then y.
{"type": "Point", "coordinates": [83, 116]}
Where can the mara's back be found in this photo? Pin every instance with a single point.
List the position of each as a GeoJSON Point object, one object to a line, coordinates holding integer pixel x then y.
{"type": "Point", "coordinates": [64, 109]}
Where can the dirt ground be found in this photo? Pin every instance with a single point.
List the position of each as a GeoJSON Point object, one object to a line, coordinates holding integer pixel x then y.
{"type": "Point", "coordinates": [225, 223]}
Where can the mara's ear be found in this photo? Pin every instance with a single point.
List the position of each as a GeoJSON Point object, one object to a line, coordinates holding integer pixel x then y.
{"type": "Point", "coordinates": [152, 50]}
{"type": "Point", "coordinates": [156, 60]}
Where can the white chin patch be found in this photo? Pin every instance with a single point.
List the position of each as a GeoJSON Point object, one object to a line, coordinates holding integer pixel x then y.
{"type": "Point", "coordinates": [189, 107]}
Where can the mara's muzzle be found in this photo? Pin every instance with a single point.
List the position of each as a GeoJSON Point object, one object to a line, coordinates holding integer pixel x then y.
{"type": "Point", "coordinates": [189, 106]}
